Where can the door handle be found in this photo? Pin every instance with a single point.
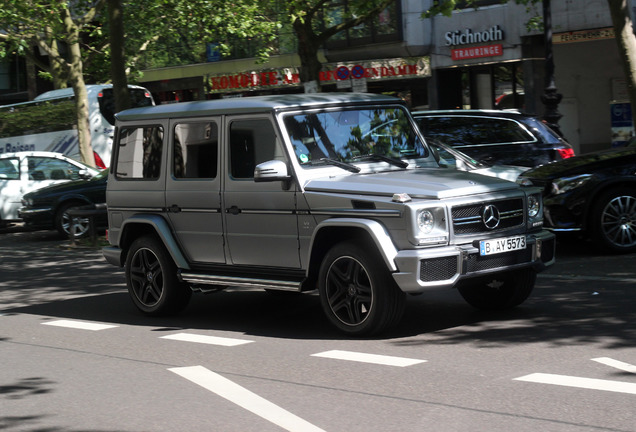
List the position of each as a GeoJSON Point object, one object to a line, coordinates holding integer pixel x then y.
{"type": "Point", "coordinates": [233, 210]}
{"type": "Point", "coordinates": [174, 209]}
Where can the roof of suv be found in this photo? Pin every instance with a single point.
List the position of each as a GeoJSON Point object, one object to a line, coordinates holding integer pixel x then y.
{"type": "Point", "coordinates": [252, 104]}
{"type": "Point", "coordinates": [514, 114]}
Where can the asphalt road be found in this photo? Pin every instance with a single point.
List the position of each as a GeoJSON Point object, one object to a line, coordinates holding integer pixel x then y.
{"type": "Point", "coordinates": [77, 356]}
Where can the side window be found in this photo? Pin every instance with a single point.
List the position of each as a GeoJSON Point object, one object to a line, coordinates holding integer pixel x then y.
{"type": "Point", "coordinates": [10, 169]}
{"type": "Point", "coordinates": [195, 150]}
{"type": "Point", "coordinates": [44, 168]}
{"type": "Point", "coordinates": [139, 152]}
{"type": "Point", "coordinates": [251, 142]}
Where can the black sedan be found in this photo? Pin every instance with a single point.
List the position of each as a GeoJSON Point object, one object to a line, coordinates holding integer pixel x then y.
{"type": "Point", "coordinates": [594, 194]}
{"type": "Point", "coordinates": [48, 208]}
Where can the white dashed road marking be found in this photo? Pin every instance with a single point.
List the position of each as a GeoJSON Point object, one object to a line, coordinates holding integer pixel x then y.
{"type": "Point", "coordinates": [245, 398]}
{"type": "Point", "coordinates": [616, 364]}
{"type": "Point", "coordinates": [211, 340]}
{"type": "Point", "coordinates": [369, 358]}
{"type": "Point", "coordinates": [578, 382]}
{"type": "Point", "coordinates": [82, 325]}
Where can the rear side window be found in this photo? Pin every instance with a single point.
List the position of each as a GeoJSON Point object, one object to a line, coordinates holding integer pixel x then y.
{"type": "Point", "coordinates": [475, 130]}
{"type": "Point", "coordinates": [195, 150]}
{"type": "Point", "coordinates": [139, 152]}
{"type": "Point", "coordinates": [45, 168]}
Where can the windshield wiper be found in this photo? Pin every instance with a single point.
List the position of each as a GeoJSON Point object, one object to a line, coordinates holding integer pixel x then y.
{"type": "Point", "coordinates": [382, 158]}
{"type": "Point", "coordinates": [343, 165]}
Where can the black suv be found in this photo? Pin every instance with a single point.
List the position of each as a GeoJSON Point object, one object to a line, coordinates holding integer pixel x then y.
{"type": "Point", "coordinates": [494, 136]}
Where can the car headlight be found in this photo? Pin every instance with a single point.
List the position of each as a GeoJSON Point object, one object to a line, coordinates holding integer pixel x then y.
{"type": "Point", "coordinates": [566, 184]}
{"type": "Point", "coordinates": [534, 205]}
{"type": "Point", "coordinates": [430, 226]}
{"type": "Point", "coordinates": [425, 221]}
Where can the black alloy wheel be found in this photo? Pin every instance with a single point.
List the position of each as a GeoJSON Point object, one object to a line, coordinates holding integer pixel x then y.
{"type": "Point", "coordinates": [357, 292]}
{"type": "Point", "coordinates": [151, 277]}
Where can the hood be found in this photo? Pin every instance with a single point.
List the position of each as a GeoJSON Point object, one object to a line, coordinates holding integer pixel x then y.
{"type": "Point", "coordinates": [506, 172]}
{"type": "Point", "coordinates": [583, 164]}
{"type": "Point", "coordinates": [431, 183]}
{"type": "Point", "coordinates": [65, 187]}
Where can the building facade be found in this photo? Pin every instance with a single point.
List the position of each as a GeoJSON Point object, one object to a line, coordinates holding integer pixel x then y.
{"type": "Point", "coordinates": [476, 58]}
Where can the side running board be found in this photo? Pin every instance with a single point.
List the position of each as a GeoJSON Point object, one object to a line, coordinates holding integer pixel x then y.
{"type": "Point", "coordinates": [236, 281]}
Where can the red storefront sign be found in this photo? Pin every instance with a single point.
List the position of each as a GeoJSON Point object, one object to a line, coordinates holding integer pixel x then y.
{"type": "Point", "coordinates": [332, 73]}
{"type": "Point", "coordinates": [477, 52]}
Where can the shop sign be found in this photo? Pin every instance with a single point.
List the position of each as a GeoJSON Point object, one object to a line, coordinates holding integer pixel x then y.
{"type": "Point", "coordinates": [468, 37]}
{"type": "Point", "coordinates": [477, 52]}
{"type": "Point", "coordinates": [331, 74]}
{"type": "Point", "coordinates": [583, 36]}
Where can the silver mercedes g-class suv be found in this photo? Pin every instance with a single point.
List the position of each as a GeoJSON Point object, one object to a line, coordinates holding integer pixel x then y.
{"type": "Point", "coordinates": [334, 192]}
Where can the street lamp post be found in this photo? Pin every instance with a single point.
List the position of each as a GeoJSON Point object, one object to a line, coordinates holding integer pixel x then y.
{"type": "Point", "coordinates": [550, 97]}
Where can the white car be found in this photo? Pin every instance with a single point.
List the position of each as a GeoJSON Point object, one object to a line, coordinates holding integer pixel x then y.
{"type": "Point", "coordinates": [23, 172]}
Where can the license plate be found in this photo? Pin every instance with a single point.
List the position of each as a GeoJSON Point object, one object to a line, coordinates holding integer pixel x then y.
{"type": "Point", "coordinates": [501, 245]}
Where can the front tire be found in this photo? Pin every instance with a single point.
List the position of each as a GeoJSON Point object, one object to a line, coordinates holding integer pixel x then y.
{"type": "Point", "coordinates": [502, 291]}
{"type": "Point", "coordinates": [151, 277]}
{"type": "Point", "coordinates": [614, 221]}
{"type": "Point", "coordinates": [357, 292]}
{"type": "Point", "coordinates": [64, 222]}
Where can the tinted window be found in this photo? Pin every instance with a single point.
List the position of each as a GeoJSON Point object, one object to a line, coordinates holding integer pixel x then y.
{"type": "Point", "coordinates": [195, 150]}
{"type": "Point", "coordinates": [10, 169]}
{"type": "Point", "coordinates": [474, 130]}
{"type": "Point", "coordinates": [139, 152]}
{"type": "Point", "coordinates": [251, 142]}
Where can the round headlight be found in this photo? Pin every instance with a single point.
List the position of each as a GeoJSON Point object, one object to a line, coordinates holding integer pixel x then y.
{"type": "Point", "coordinates": [533, 206]}
{"type": "Point", "coordinates": [425, 221]}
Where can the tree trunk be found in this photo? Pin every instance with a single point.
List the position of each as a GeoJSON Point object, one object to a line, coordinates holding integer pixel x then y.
{"type": "Point", "coordinates": [626, 40]}
{"type": "Point", "coordinates": [117, 60]}
{"type": "Point", "coordinates": [310, 65]}
{"type": "Point", "coordinates": [76, 79]}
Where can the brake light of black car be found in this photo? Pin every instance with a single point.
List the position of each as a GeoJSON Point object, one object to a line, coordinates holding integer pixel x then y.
{"type": "Point", "coordinates": [566, 152]}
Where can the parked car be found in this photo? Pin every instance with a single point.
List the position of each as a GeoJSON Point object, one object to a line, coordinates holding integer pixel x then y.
{"type": "Point", "coordinates": [337, 192]}
{"type": "Point", "coordinates": [593, 194]}
{"type": "Point", "coordinates": [495, 137]}
{"type": "Point", "coordinates": [48, 208]}
{"type": "Point", "coordinates": [23, 172]}
{"type": "Point", "coordinates": [453, 158]}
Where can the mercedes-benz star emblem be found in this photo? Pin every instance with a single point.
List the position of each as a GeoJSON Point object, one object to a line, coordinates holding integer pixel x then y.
{"type": "Point", "coordinates": [491, 216]}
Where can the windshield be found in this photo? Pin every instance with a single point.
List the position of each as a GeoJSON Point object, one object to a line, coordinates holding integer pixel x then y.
{"type": "Point", "coordinates": [353, 135]}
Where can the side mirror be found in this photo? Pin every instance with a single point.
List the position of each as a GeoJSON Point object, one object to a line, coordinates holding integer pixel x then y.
{"type": "Point", "coordinates": [271, 171]}
{"type": "Point", "coordinates": [84, 174]}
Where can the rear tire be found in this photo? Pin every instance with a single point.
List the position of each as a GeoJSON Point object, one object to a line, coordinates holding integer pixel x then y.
{"type": "Point", "coordinates": [502, 291]}
{"type": "Point", "coordinates": [357, 292]}
{"type": "Point", "coordinates": [151, 277]}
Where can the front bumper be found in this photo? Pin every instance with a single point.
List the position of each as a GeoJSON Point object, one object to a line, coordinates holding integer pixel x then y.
{"type": "Point", "coordinates": [423, 269]}
{"type": "Point", "coordinates": [37, 217]}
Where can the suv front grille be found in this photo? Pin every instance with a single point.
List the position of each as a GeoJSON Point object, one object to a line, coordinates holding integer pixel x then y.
{"type": "Point", "coordinates": [467, 219]}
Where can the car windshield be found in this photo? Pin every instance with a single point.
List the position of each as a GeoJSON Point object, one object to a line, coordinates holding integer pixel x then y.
{"type": "Point", "coordinates": [354, 135]}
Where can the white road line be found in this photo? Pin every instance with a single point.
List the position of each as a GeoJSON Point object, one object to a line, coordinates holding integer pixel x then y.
{"type": "Point", "coordinates": [211, 340]}
{"type": "Point", "coordinates": [616, 364]}
{"type": "Point", "coordinates": [369, 358]}
{"type": "Point", "coordinates": [578, 382]}
{"type": "Point", "coordinates": [245, 398]}
{"type": "Point", "coordinates": [82, 325]}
